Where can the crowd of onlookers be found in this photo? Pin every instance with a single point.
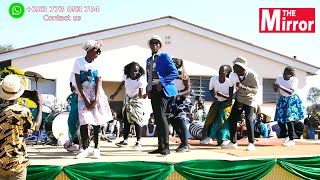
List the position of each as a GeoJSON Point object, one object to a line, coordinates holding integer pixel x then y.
{"type": "Point", "coordinates": [263, 126]}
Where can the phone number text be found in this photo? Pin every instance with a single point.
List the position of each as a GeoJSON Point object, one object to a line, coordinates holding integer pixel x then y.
{"type": "Point", "coordinates": [70, 9]}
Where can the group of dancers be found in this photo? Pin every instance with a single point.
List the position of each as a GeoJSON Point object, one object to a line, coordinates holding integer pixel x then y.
{"type": "Point", "coordinates": [242, 84]}
{"type": "Point", "coordinates": [167, 84]}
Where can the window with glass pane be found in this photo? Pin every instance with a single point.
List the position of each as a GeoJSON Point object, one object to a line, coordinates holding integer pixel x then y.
{"type": "Point", "coordinates": [200, 86]}
{"type": "Point", "coordinates": [269, 96]}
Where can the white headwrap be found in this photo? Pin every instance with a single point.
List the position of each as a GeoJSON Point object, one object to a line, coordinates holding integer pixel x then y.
{"type": "Point", "coordinates": [92, 44]}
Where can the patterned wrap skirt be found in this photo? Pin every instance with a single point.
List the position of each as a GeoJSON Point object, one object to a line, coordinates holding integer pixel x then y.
{"type": "Point", "coordinates": [133, 109]}
{"type": "Point", "coordinates": [179, 107]}
{"type": "Point", "coordinates": [218, 115]}
{"type": "Point", "coordinates": [289, 108]}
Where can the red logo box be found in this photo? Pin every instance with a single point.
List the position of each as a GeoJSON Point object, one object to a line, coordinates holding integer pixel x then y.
{"type": "Point", "coordinates": [287, 20]}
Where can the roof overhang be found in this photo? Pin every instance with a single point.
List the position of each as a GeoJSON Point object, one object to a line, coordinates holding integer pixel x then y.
{"type": "Point", "coordinates": [122, 30]}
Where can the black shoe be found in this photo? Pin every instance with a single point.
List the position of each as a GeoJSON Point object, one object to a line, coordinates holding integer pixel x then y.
{"type": "Point", "coordinates": [157, 151]}
{"type": "Point", "coordinates": [106, 139]}
{"type": "Point", "coordinates": [183, 148]}
{"type": "Point", "coordinates": [122, 144]}
{"type": "Point", "coordinates": [165, 151]}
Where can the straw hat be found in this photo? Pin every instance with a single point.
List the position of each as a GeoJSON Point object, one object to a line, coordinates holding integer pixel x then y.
{"type": "Point", "coordinates": [241, 61]}
{"type": "Point", "coordinates": [11, 87]}
{"type": "Point", "coordinates": [266, 118]}
{"type": "Point", "coordinates": [156, 37]}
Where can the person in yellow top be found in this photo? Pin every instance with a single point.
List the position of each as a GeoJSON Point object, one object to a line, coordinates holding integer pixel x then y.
{"type": "Point", "coordinates": [15, 122]}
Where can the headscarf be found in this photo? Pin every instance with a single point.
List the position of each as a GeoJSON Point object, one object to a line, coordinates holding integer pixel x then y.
{"type": "Point", "coordinates": [87, 46]}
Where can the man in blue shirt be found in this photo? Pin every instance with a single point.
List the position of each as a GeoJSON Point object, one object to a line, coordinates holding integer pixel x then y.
{"type": "Point", "coordinates": [161, 71]}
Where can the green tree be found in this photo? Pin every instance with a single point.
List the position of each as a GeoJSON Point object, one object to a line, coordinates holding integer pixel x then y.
{"type": "Point", "coordinates": [6, 47]}
{"type": "Point", "coordinates": [314, 97]}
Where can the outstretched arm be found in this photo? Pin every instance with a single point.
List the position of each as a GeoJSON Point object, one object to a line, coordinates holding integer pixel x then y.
{"type": "Point", "coordinates": [117, 91]}
{"type": "Point", "coordinates": [35, 97]}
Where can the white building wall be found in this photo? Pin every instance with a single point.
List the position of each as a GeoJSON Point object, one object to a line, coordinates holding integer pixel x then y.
{"type": "Point", "coordinates": [203, 56]}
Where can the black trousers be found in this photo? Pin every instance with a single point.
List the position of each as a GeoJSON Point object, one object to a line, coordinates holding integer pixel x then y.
{"type": "Point", "coordinates": [180, 127]}
{"type": "Point", "coordinates": [159, 102]}
{"type": "Point", "coordinates": [127, 126]}
{"type": "Point", "coordinates": [283, 129]}
{"type": "Point", "coordinates": [236, 116]}
{"type": "Point", "coordinates": [84, 132]}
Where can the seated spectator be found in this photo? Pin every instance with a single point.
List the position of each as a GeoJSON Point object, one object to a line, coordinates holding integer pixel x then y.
{"type": "Point", "coordinates": [149, 130]}
{"type": "Point", "coordinates": [260, 128]}
{"type": "Point", "coordinates": [200, 112]}
{"type": "Point", "coordinates": [311, 124]}
{"type": "Point", "coordinates": [306, 132]}
{"type": "Point", "coordinates": [111, 129]}
{"type": "Point", "coordinates": [132, 132]}
{"type": "Point", "coordinates": [241, 127]}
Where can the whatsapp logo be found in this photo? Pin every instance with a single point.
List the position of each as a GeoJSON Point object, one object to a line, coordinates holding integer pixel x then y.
{"type": "Point", "coordinates": [16, 10]}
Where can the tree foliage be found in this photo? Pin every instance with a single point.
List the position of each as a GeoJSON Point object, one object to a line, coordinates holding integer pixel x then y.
{"type": "Point", "coordinates": [6, 47]}
{"type": "Point", "coordinates": [314, 97]}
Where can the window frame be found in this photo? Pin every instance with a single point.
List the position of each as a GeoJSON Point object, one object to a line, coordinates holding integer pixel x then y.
{"type": "Point", "coordinates": [267, 90]}
{"type": "Point", "coordinates": [200, 86]}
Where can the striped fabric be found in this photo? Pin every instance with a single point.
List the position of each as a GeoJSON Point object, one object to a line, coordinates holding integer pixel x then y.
{"type": "Point", "coordinates": [133, 109]}
{"type": "Point", "coordinates": [195, 129]}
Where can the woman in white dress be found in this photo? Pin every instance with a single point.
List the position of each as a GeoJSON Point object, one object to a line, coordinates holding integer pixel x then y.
{"type": "Point", "coordinates": [93, 106]}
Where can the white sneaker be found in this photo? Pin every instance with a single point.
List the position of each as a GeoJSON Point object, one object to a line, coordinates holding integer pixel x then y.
{"type": "Point", "coordinates": [205, 140]}
{"type": "Point", "coordinates": [290, 143]}
{"type": "Point", "coordinates": [83, 154]}
{"type": "Point", "coordinates": [251, 147]}
{"type": "Point", "coordinates": [287, 139]}
{"type": "Point", "coordinates": [230, 145]}
{"type": "Point", "coordinates": [96, 153]}
{"type": "Point", "coordinates": [225, 142]}
{"type": "Point", "coordinates": [90, 151]}
{"type": "Point", "coordinates": [137, 145]}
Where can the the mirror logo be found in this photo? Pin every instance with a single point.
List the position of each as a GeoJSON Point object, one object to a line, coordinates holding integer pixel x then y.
{"type": "Point", "coordinates": [287, 20]}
